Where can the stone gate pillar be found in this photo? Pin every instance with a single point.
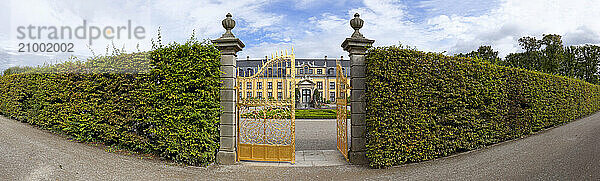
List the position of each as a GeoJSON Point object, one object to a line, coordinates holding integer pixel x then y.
{"type": "Point", "coordinates": [357, 46]}
{"type": "Point", "coordinates": [229, 45]}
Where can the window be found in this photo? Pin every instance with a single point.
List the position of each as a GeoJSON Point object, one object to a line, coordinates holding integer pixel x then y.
{"type": "Point", "coordinates": [259, 85]}
{"type": "Point", "coordinates": [331, 85]}
{"type": "Point", "coordinates": [305, 95]}
{"type": "Point", "coordinates": [301, 71]}
{"type": "Point", "coordinates": [269, 85]}
{"type": "Point", "coordinates": [279, 72]}
{"type": "Point", "coordinates": [259, 95]}
{"type": "Point", "coordinates": [279, 85]}
{"type": "Point", "coordinates": [305, 69]}
{"type": "Point", "coordinates": [279, 95]}
{"type": "Point", "coordinates": [270, 94]}
{"type": "Point", "coordinates": [241, 95]}
{"type": "Point", "coordinates": [248, 94]}
{"type": "Point", "coordinates": [330, 71]}
{"type": "Point", "coordinates": [270, 72]}
{"type": "Point", "coordinates": [321, 96]}
{"type": "Point", "coordinates": [311, 71]}
{"type": "Point", "coordinates": [241, 72]}
{"type": "Point", "coordinates": [250, 72]}
{"type": "Point", "coordinates": [319, 71]}
{"type": "Point", "coordinates": [319, 85]}
{"type": "Point", "coordinates": [332, 96]}
{"type": "Point", "coordinates": [249, 85]}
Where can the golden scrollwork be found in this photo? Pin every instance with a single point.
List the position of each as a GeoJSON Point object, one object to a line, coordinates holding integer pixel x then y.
{"type": "Point", "coordinates": [266, 125]}
{"type": "Point", "coordinates": [341, 102]}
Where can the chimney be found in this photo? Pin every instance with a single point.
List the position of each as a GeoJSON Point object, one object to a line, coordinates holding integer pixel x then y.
{"type": "Point", "coordinates": [247, 57]}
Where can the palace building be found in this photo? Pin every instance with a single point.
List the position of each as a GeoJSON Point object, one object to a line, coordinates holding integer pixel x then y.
{"type": "Point", "coordinates": [312, 74]}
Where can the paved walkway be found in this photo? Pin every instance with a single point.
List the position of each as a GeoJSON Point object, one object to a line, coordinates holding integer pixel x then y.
{"type": "Point", "coordinates": [316, 142]}
{"type": "Point", "coordinates": [308, 158]}
{"type": "Point", "coordinates": [316, 134]}
{"type": "Point", "coordinates": [569, 152]}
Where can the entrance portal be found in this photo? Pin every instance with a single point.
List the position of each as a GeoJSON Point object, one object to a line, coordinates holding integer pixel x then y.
{"type": "Point", "coordinates": [306, 96]}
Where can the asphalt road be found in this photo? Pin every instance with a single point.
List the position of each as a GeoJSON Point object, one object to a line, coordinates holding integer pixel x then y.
{"type": "Point", "coordinates": [569, 152]}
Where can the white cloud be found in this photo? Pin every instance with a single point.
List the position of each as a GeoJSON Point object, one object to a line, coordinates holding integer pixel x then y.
{"type": "Point", "coordinates": [503, 26]}
{"type": "Point", "coordinates": [305, 4]}
{"type": "Point", "coordinates": [451, 26]}
{"type": "Point", "coordinates": [385, 22]}
{"type": "Point", "coordinates": [70, 13]}
{"type": "Point", "coordinates": [205, 16]}
{"type": "Point", "coordinates": [432, 25]}
{"type": "Point", "coordinates": [177, 19]}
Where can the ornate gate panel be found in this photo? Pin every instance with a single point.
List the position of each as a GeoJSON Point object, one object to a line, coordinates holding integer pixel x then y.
{"type": "Point", "coordinates": [341, 102]}
{"type": "Point", "coordinates": [266, 111]}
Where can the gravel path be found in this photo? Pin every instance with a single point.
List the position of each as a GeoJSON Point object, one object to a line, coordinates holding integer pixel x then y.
{"type": "Point", "coordinates": [314, 134]}
{"type": "Point", "coordinates": [569, 152]}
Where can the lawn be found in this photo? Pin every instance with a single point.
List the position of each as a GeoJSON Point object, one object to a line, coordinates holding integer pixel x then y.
{"type": "Point", "coordinates": [315, 114]}
{"type": "Point", "coordinates": [304, 114]}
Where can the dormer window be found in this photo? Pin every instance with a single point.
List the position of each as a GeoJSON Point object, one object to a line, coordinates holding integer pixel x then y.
{"type": "Point", "coordinates": [250, 72]}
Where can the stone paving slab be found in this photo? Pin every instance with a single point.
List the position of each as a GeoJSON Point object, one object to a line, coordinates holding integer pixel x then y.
{"type": "Point", "coordinates": [307, 158]}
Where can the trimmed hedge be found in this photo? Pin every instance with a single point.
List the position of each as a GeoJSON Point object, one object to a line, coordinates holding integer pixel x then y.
{"type": "Point", "coordinates": [164, 102]}
{"type": "Point", "coordinates": [422, 106]}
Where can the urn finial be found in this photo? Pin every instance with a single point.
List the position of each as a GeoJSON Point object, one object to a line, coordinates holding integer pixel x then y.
{"type": "Point", "coordinates": [356, 23]}
{"type": "Point", "coordinates": [228, 24]}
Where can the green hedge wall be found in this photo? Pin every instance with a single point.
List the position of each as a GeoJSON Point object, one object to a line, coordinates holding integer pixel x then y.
{"type": "Point", "coordinates": [164, 102]}
{"type": "Point", "coordinates": [422, 106]}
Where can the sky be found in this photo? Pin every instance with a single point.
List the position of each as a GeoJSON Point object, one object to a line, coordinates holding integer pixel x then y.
{"type": "Point", "coordinates": [315, 28]}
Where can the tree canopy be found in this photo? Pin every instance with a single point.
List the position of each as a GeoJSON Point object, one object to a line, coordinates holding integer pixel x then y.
{"type": "Point", "coordinates": [548, 55]}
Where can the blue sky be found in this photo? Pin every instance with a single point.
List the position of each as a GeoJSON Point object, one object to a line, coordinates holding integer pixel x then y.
{"type": "Point", "coordinates": [315, 28]}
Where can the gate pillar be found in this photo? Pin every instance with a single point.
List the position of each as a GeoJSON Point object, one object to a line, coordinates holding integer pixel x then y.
{"type": "Point", "coordinates": [357, 46]}
{"type": "Point", "coordinates": [229, 45]}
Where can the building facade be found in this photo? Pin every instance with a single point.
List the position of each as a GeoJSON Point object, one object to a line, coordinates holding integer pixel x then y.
{"type": "Point", "coordinates": [312, 75]}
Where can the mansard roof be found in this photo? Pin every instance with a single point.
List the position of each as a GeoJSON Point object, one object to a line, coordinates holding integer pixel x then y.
{"type": "Point", "coordinates": [313, 62]}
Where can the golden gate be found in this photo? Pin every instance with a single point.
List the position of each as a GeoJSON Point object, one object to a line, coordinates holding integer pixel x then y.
{"type": "Point", "coordinates": [266, 125]}
{"type": "Point", "coordinates": [341, 102]}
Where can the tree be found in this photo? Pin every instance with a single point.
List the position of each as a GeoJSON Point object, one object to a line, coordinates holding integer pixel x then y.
{"type": "Point", "coordinates": [549, 55]}
{"type": "Point", "coordinates": [583, 62]}
{"type": "Point", "coordinates": [530, 59]}
{"type": "Point", "coordinates": [316, 98]}
{"type": "Point", "coordinates": [545, 55]}
{"type": "Point", "coordinates": [552, 54]}
{"type": "Point", "coordinates": [297, 94]}
{"type": "Point", "coordinates": [485, 53]}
